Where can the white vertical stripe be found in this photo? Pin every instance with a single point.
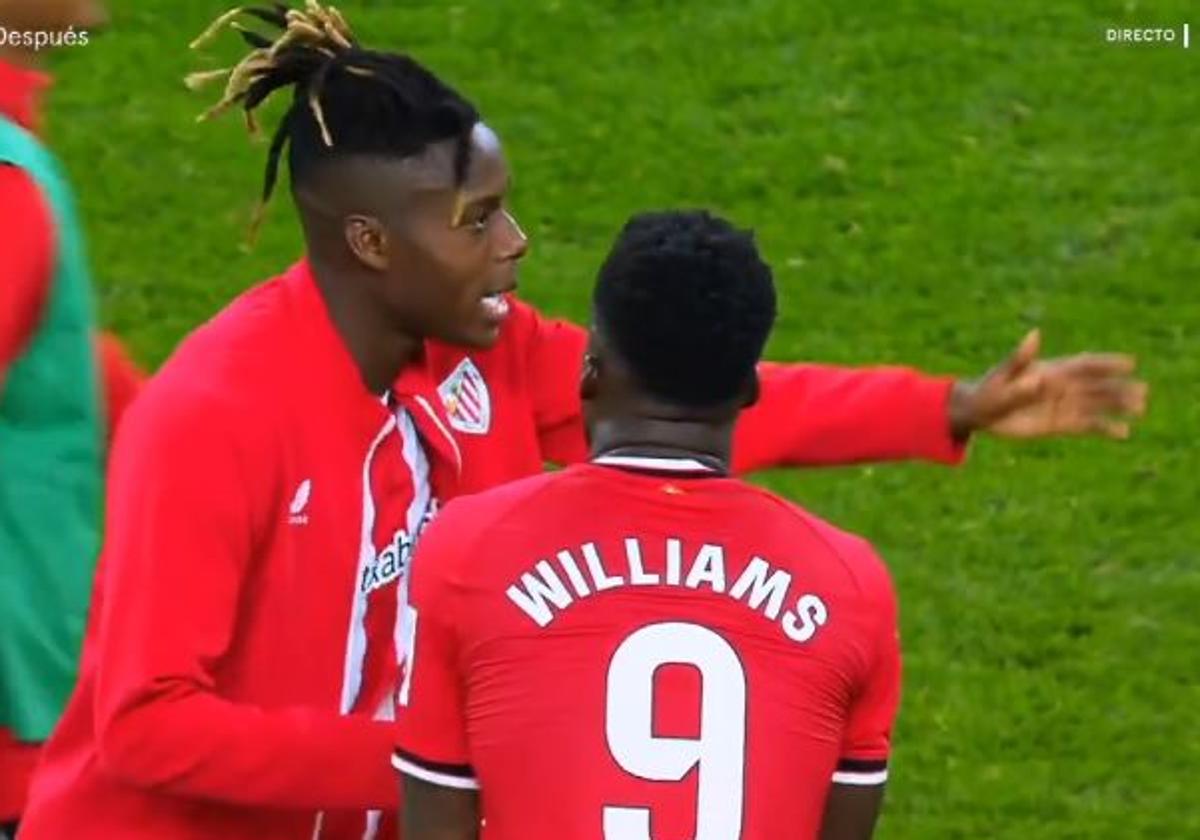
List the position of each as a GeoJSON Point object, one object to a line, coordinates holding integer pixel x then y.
{"type": "Point", "coordinates": [418, 467]}
{"type": "Point", "coordinates": [408, 659]}
{"type": "Point", "coordinates": [372, 829]}
{"type": "Point", "coordinates": [442, 427]}
{"type": "Point", "coordinates": [318, 825]}
{"type": "Point", "coordinates": [356, 640]}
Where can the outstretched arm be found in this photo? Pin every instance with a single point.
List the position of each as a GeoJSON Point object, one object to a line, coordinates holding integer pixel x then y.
{"type": "Point", "coordinates": [809, 415]}
{"type": "Point", "coordinates": [823, 415]}
{"type": "Point", "coordinates": [812, 414]}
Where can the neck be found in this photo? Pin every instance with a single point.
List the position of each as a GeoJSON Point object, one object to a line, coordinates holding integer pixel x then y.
{"type": "Point", "coordinates": [379, 350]}
{"type": "Point", "coordinates": [659, 438]}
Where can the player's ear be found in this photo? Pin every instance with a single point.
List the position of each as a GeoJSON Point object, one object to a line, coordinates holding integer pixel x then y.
{"type": "Point", "coordinates": [367, 238]}
{"type": "Point", "coordinates": [589, 378]}
{"type": "Point", "coordinates": [752, 390]}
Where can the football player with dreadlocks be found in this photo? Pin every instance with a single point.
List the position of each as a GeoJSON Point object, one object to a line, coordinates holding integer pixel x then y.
{"type": "Point", "coordinates": [270, 483]}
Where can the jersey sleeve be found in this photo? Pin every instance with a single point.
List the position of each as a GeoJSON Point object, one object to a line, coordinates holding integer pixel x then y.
{"type": "Point", "coordinates": [813, 415]}
{"type": "Point", "coordinates": [431, 723]}
{"type": "Point", "coordinates": [26, 261]}
{"type": "Point", "coordinates": [868, 737]}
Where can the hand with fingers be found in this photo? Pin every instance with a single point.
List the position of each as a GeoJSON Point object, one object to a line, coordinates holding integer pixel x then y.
{"type": "Point", "coordinates": [1026, 397]}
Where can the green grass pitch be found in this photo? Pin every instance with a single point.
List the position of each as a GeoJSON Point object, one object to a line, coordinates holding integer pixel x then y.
{"type": "Point", "coordinates": [929, 179]}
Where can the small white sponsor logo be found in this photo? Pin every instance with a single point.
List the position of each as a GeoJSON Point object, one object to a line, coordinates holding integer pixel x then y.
{"type": "Point", "coordinates": [389, 564]}
{"type": "Point", "coordinates": [296, 510]}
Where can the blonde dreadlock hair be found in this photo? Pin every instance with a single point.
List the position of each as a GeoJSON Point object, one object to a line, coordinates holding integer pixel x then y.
{"type": "Point", "coordinates": [346, 100]}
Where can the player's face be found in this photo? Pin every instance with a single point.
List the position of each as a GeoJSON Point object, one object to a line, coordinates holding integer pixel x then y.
{"type": "Point", "coordinates": [457, 251]}
{"type": "Point", "coordinates": [52, 15]}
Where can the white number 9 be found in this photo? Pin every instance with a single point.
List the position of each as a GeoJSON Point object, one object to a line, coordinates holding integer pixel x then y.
{"type": "Point", "coordinates": [720, 750]}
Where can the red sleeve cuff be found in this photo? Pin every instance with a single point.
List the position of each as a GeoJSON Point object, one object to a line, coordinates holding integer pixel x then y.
{"type": "Point", "coordinates": [932, 431]}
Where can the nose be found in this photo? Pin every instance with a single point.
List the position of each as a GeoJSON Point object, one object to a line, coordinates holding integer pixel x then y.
{"type": "Point", "coordinates": [514, 243]}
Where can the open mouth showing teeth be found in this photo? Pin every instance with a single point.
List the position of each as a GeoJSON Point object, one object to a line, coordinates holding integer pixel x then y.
{"type": "Point", "coordinates": [495, 304]}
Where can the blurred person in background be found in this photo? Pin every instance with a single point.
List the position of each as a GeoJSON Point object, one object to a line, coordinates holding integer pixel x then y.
{"type": "Point", "coordinates": [62, 387]}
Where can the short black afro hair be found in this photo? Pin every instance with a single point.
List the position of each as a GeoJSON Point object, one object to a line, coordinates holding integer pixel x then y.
{"type": "Point", "coordinates": [685, 299]}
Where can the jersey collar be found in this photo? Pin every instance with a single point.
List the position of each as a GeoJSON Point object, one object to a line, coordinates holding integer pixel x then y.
{"type": "Point", "coordinates": [678, 467]}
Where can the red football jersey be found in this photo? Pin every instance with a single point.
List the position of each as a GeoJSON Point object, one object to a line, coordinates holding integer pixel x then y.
{"type": "Point", "coordinates": [636, 649]}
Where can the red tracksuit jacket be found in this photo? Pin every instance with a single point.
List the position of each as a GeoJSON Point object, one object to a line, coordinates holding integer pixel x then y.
{"type": "Point", "coordinates": [241, 656]}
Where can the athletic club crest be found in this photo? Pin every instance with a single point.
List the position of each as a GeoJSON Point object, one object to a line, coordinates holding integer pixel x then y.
{"type": "Point", "coordinates": [465, 396]}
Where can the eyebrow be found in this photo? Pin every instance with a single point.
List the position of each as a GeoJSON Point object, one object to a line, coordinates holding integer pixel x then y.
{"type": "Point", "coordinates": [491, 201]}
{"type": "Point", "coordinates": [499, 194]}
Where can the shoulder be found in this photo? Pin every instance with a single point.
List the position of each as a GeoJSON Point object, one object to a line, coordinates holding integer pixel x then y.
{"type": "Point", "coordinates": [493, 515]}
{"type": "Point", "coordinates": [479, 512]}
{"type": "Point", "coordinates": [242, 342]}
{"type": "Point", "coordinates": [845, 551]}
{"type": "Point", "coordinates": [224, 374]}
